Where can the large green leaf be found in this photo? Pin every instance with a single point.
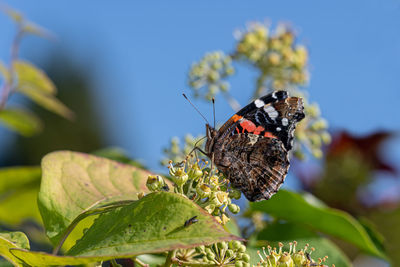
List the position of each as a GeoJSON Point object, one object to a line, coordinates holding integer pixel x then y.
{"type": "Point", "coordinates": [21, 121]}
{"type": "Point", "coordinates": [47, 101]}
{"type": "Point", "coordinates": [155, 223]}
{"type": "Point", "coordinates": [30, 76]}
{"type": "Point", "coordinates": [73, 183]}
{"type": "Point", "coordinates": [304, 209]}
{"type": "Point", "coordinates": [10, 240]}
{"type": "Point", "coordinates": [19, 185]}
{"type": "Point", "coordinates": [152, 224]}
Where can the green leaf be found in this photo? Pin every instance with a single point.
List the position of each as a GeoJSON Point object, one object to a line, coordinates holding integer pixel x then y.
{"type": "Point", "coordinates": [10, 240]}
{"type": "Point", "coordinates": [298, 208]}
{"type": "Point", "coordinates": [72, 183]}
{"type": "Point", "coordinates": [289, 232]}
{"type": "Point", "coordinates": [117, 154]}
{"type": "Point", "coordinates": [21, 121]}
{"type": "Point", "coordinates": [35, 258]}
{"type": "Point", "coordinates": [19, 185]}
{"type": "Point", "coordinates": [47, 101]}
{"type": "Point", "coordinates": [152, 224]}
{"type": "Point", "coordinates": [30, 76]}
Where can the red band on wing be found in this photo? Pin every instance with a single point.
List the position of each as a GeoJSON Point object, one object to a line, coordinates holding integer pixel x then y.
{"type": "Point", "coordinates": [270, 135]}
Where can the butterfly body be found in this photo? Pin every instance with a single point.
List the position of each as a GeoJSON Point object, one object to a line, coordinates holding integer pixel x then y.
{"type": "Point", "coordinates": [252, 147]}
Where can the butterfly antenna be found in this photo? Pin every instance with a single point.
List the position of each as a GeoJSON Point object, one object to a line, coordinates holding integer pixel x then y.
{"type": "Point", "coordinates": [213, 101]}
{"type": "Point", "coordinates": [195, 108]}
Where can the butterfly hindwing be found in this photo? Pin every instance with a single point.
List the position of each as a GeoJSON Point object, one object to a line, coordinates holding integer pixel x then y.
{"type": "Point", "coordinates": [254, 164]}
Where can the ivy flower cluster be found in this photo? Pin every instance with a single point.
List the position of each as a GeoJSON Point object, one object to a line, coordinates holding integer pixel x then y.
{"type": "Point", "coordinates": [271, 257]}
{"type": "Point", "coordinates": [281, 61]}
{"type": "Point", "coordinates": [312, 132]}
{"type": "Point", "coordinates": [210, 73]}
{"type": "Point", "coordinates": [209, 189]}
{"type": "Point", "coordinates": [177, 151]}
{"type": "Point", "coordinates": [194, 179]}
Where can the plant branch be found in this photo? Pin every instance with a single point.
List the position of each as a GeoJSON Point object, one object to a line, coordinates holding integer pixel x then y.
{"type": "Point", "coordinates": [168, 260]}
{"type": "Point", "coordinates": [7, 88]}
{"type": "Point", "coordinates": [139, 262]}
{"type": "Point", "coordinates": [194, 264]}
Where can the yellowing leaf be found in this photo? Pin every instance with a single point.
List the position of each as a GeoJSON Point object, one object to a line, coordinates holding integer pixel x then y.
{"type": "Point", "coordinates": [31, 76]}
{"type": "Point", "coordinates": [47, 101]}
{"type": "Point", "coordinates": [74, 182]}
{"type": "Point", "coordinates": [10, 240]}
{"type": "Point", "coordinates": [21, 121]}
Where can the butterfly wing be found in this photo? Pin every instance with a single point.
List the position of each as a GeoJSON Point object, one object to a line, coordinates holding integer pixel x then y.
{"type": "Point", "coordinates": [274, 115]}
{"type": "Point", "coordinates": [254, 164]}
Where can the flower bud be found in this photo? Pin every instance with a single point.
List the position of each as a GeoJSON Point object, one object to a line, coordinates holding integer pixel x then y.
{"type": "Point", "coordinates": [222, 245]}
{"type": "Point", "coordinates": [234, 193]}
{"type": "Point", "coordinates": [195, 172]}
{"type": "Point", "coordinates": [234, 208]}
{"type": "Point", "coordinates": [154, 182]}
{"type": "Point", "coordinates": [239, 264]}
{"type": "Point", "coordinates": [246, 257]}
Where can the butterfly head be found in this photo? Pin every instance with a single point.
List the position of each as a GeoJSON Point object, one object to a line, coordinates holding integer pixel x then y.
{"type": "Point", "coordinates": [211, 133]}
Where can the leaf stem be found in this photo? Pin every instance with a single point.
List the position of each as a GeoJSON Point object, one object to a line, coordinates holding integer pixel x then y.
{"type": "Point", "coordinates": [168, 260]}
{"type": "Point", "coordinates": [139, 262]}
{"type": "Point", "coordinates": [195, 264]}
{"type": "Point", "coordinates": [7, 88]}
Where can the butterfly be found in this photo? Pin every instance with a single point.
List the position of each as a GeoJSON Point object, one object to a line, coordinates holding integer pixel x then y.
{"type": "Point", "coordinates": [252, 147]}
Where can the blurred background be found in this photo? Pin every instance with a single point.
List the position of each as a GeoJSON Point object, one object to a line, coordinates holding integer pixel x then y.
{"type": "Point", "coordinates": [122, 68]}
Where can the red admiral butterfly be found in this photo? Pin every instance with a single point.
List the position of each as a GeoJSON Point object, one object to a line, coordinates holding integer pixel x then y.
{"type": "Point", "coordinates": [252, 147]}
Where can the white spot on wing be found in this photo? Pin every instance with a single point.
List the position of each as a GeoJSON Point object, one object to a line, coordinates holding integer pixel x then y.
{"type": "Point", "coordinates": [278, 129]}
{"type": "Point", "coordinates": [274, 95]}
{"type": "Point", "coordinates": [271, 111]}
{"type": "Point", "coordinates": [285, 122]}
{"type": "Point", "coordinates": [259, 103]}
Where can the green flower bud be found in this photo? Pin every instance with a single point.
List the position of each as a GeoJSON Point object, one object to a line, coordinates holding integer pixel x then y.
{"type": "Point", "coordinates": [326, 137]}
{"type": "Point", "coordinates": [236, 194]}
{"type": "Point", "coordinates": [210, 208]}
{"type": "Point", "coordinates": [200, 249]}
{"type": "Point", "coordinates": [210, 256]}
{"type": "Point", "coordinates": [234, 208]}
{"type": "Point", "coordinates": [246, 257]}
{"type": "Point", "coordinates": [246, 264]}
{"type": "Point", "coordinates": [317, 153]}
{"type": "Point", "coordinates": [195, 172]}
{"type": "Point", "coordinates": [242, 248]}
{"type": "Point", "coordinates": [236, 244]}
{"type": "Point", "coordinates": [239, 264]}
{"type": "Point", "coordinates": [154, 182]}
{"type": "Point", "coordinates": [222, 245]}
{"type": "Point", "coordinates": [229, 253]}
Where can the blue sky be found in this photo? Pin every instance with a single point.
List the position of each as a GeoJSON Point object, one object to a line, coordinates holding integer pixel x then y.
{"type": "Point", "coordinates": [140, 51]}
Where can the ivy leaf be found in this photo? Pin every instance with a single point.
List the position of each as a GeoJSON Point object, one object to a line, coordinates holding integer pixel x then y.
{"type": "Point", "coordinates": [21, 121]}
{"type": "Point", "coordinates": [31, 76]}
{"type": "Point", "coordinates": [10, 240]}
{"type": "Point", "coordinates": [153, 224]}
{"type": "Point", "coordinates": [302, 209]}
{"type": "Point", "coordinates": [72, 183]}
{"type": "Point", "coordinates": [19, 185]}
